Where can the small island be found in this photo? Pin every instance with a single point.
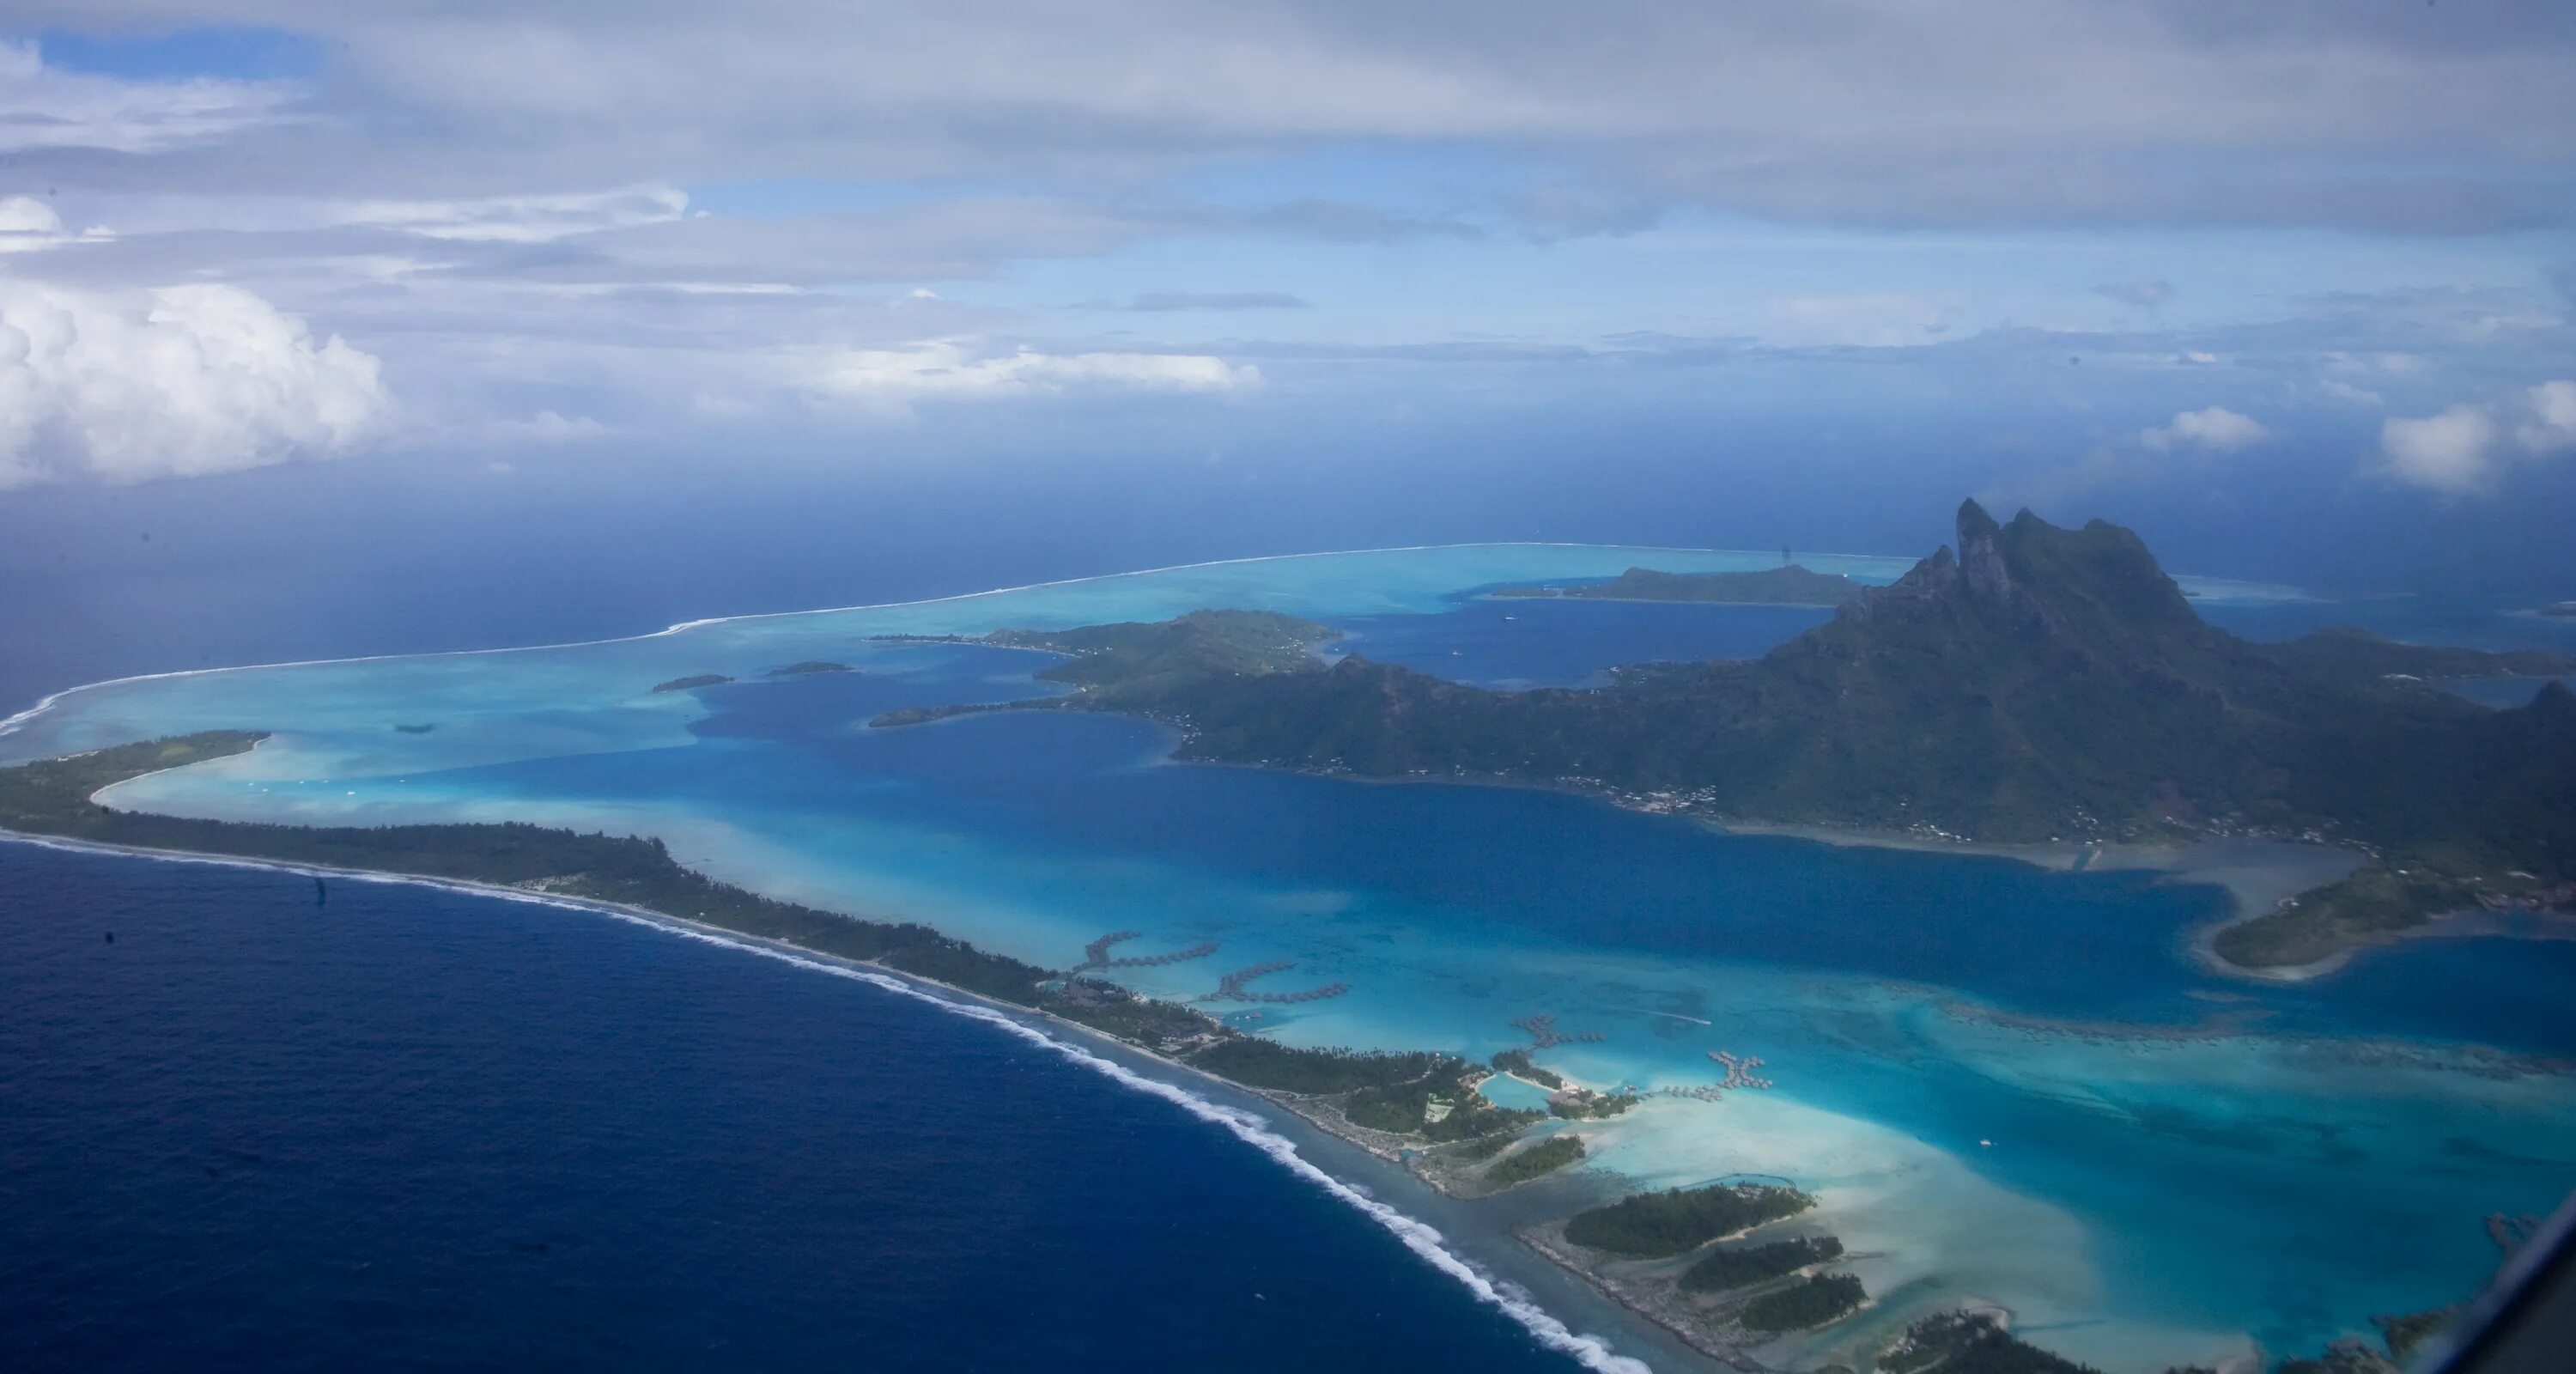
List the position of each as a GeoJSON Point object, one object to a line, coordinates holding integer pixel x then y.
{"type": "Point", "coordinates": [692, 683]}
{"type": "Point", "coordinates": [414, 729]}
{"type": "Point", "coordinates": [1819, 1299]}
{"type": "Point", "coordinates": [1787, 585]}
{"type": "Point", "coordinates": [1742, 1266]}
{"type": "Point", "coordinates": [1131, 666]}
{"type": "Point", "coordinates": [810, 666]}
{"type": "Point", "coordinates": [1680, 1220]}
{"type": "Point", "coordinates": [1546, 1156]}
{"type": "Point", "coordinates": [1971, 1342]}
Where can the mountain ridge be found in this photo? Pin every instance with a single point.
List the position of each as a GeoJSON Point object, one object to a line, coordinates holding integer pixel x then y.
{"type": "Point", "coordinates": [2027, 683]}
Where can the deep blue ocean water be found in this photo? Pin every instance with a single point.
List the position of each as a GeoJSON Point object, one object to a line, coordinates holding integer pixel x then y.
{"type": "Point", "coordinates": [413, 1129]}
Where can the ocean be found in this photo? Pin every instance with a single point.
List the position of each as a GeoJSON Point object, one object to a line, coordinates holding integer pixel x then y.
{"type": "Point", "coordinates": [408, 1128]}
{"type": "Point", "coordinates": [1934, 1021]}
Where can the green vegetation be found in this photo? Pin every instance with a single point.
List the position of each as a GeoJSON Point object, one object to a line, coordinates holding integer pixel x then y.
{"type": "Point", "coordinates": [1517, 1064]}
{"type": "Point", "coordinates": [1404, 1108]}
{"type": "Point", "coordinates": [2360, 657]}
{"type": "Point", "coordinates": [1475, 1118]}
{"type": "Point", "coordinates": [1652, 1225]}
{"type": "Point", "coordinates": [2040, 683]}
{"type": "Point", "coordinates": [1398, 1110]}
{"type": "Point", "coordinates": [1133, 665]}
{"type": "Point", "coordinates": [1741, 1266]}
{"type": "Point", "coordinates": [1483, 1146]}
{"type": "Point", "coordinates": [1547, 1156]}
{"type": "Point", "coordinates": [1818, 1300]}
{"type": "Point", "coordinates": [1266, 1064]}
{"type": "Point", "coordinates": [1791, 585]}
{"type": "Point", "coordinates": [692, 683]}
{"type": "Point", "coordinates": [2374, 903]}
{"type": "Point", "coordinates": [1971, 1343]}
{"type": "Point", "coordinates": [1135, 660]}
{"type": "Point", "coordinates": [1583, 1105]}
{"type": "Point", "coordinates": [52, 798]}
{"type": "Point", "coordinates": [1139, 1020]}
{"type": "Point", "coordinates": [811, 665]}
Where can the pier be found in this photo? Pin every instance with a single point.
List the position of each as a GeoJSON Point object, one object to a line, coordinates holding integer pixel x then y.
{"type": "Point", "coordinates": [1096, 954]}
{"type": "Point", "coordinates": [1739, 1070]}
{"type": "Point", "coordinates": [1230, 988]}
{"type": "Point", "coordinates": [1542, 1031]}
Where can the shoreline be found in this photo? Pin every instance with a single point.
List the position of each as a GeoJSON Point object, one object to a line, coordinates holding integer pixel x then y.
{"type": "Point", "coordinates": [1383, 1160]}
{"type": "Point", "coordinates": [11, 724]}
{"type": "Point", "coordinates": [1698, 1340]}
{"type": "Point", "coordinates": [2257, 875]}
{"type": "Point", "coordinates": [2465, 923]}
{"type": "Point", "coordinates": [1474, 1270]}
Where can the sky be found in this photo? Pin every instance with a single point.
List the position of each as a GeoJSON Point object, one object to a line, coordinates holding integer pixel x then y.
{"type": "Point", "coordinates": [2213, 269]}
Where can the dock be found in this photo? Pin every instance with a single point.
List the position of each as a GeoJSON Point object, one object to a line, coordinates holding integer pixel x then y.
{"type": "Point", "coordinates": [1542, 1031]}
{"type": "Point", "coordinates": [1739, 1070]}
{"type": "Point", "coordinates": [1230, 988]}
{"type": "Point", "coordinates": [1096, 955]}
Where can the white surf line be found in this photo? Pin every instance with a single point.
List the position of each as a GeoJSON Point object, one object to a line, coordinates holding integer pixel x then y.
{"type": "Point", "coordinates": [11, 724]}
{"type": "Point", "coordinates": [1253, 1129]}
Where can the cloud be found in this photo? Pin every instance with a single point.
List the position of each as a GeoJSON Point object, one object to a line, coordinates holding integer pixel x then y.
{"type": "Point", "coordinates": [29, 225]}
{"type": "Point", "coordinates": [2551, 425]}
{"type": "Point", "coordinates": [46, 108]}
{"type": "Point", "coordinates": [2214, 430]}
{"type": "Point", "coordinates": [1201, 300]}
{"type": "Point", "coordinates": [2146, 293]}
{"type": "Point", "coordinates": [548, 427]}
{"type": "Point", "coordinates": [1849, 111]}
{"type": "Point", "coordinates": [892, 378]}
{"type": "Point", "coordinates": [187, 381]}
{"type": "Point", "coordinates": [2465, 449]}
{"type": "Point", "coordinates": [519, 219]}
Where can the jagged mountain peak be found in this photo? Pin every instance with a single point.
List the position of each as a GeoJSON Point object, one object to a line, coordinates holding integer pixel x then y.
{"type": "Point", "coordinates": [2098, 582]}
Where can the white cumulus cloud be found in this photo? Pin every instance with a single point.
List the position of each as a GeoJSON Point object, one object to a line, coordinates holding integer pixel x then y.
{"type": "Point", "coordinates": [28, 225]}
{"type": "Point", "coordinates": [894, 377]}
{"type": "Point", "coordinates": [2466, 448]}
{"type": "Point", "coordinates": [2551, 425]}
{"type": "Point", "coordinates": [178, 382]}
{"type": "Point", "coordinates": [2214, 430]}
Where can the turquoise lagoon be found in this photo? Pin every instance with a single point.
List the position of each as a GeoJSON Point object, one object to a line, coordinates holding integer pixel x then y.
{"type": "Point", "coordinates": [2005, 1084]}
